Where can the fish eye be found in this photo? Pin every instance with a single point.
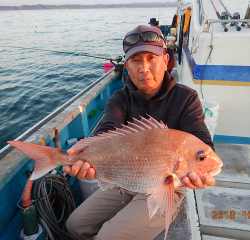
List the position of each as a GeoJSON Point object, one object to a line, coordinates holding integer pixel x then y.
{"type": "Point", "coordinates": [201, 158]}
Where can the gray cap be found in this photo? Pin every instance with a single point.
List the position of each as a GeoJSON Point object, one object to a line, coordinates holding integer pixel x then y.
{"type": "Point", "coordinates": [141, 46]}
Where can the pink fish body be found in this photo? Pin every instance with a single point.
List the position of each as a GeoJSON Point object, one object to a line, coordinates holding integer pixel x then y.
{"type": "Point", "coordinates": [144, 156]}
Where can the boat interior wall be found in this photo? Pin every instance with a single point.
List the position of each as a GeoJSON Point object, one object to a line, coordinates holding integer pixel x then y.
{"type": "Point", "coordinates": [212, 74]}
{"type": "Point", "coordinates": [75, 121]}
{"type": "Point", "coordinates": [10, 195]}
{"type": "Point", "coordinates": [236, 119]}
{"type": "Point", "coordinates": [234, 113]}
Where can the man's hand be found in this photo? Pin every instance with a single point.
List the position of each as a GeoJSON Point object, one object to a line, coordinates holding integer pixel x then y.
{"type": "Point", "coordinates": [81, 170]}
{"type": "Point", "coordinates": [196, 181]}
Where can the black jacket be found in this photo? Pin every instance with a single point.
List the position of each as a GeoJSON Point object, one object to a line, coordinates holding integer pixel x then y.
{"type": "Point", "coordinates": [176, 105]}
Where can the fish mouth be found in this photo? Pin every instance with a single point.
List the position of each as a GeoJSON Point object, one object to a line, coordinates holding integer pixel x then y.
{"type": "Point", "coordinates": [214, 171]}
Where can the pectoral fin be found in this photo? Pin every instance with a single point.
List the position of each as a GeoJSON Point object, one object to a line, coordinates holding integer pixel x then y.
{"type": "Point", "coordinates": [177, 182]}
{"type": "Point", "coordinates": [163, 198]}
{"type": "Point", "coordinates": [104, 185]}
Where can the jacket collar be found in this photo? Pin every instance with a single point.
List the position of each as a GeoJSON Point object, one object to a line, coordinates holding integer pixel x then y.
{"type": "Point", "coordinates": [168, 83]}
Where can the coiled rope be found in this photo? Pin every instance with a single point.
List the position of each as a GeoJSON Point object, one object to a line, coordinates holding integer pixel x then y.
{"type": "Point", "coordinates": [54, 203]}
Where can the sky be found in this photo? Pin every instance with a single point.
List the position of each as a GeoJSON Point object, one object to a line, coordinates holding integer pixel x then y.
{"type": "Point", "coordinates": [81, 2]}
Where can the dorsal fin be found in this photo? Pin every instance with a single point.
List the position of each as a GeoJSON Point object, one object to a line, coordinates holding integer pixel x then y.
{"type": "Point", "coordinates": [138, 126]}
{"type": "Point", "coordinates": [135, 126]}
{"type": "Point", "coordinates": [129, 128]}
{"type": "Point", "coordinates": [116, 133]}
{"type": "Point", "coordinates": [142, 124]}
{"type": "Point", "coordinates": [149, 123]}
{"type": "Point", "coordinates": [85, 142]}
{"type": "Point", "coordinates": [159, 124]}
{"type": "Point", "coordinates": [108, 135]}
{"type": "Point", "coordinates": [121, 130]}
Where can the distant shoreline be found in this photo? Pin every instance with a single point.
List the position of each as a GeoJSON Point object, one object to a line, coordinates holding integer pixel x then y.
{"type": "Point", "coordinates": [97, 6]}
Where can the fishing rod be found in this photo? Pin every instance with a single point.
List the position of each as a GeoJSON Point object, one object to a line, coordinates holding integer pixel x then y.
{"type": "Point", "coordinates": [219, 17]}
{"type": "Point", "coordinates": [229, 15]}
{"type": "Point", "coordinates": [72, 53]}
{"type": "Point", "coordinates": [159, 13]}
{"type": "Point", "coordinates": [247, 16]}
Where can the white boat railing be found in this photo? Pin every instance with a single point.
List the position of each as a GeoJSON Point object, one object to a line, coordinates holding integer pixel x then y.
{"type": "Point", "coordinates": [228, 20]}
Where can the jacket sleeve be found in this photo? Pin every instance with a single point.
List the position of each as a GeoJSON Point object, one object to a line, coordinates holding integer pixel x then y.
{"type": "Point", "coordinates": [192, 119]}
{"type": "Point", "coordinates": [114, 114]}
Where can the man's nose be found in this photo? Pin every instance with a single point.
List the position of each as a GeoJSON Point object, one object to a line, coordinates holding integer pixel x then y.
{"type": "Point", "coordinates": [144, 66]}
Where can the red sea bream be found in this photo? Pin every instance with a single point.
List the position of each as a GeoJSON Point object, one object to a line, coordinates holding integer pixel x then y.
{"type": "Point", "coordinates": [144, 156]}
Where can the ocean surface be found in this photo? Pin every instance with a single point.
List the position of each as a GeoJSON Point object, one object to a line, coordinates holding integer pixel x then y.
{"type": "Point", "coordinates": [33, 83]}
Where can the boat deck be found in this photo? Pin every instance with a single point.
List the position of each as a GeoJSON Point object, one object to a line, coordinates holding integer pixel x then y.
{"type": "Point", "coordinates": [220, 212]}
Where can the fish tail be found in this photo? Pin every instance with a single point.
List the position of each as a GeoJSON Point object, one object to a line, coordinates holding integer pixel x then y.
{"type": "Point", "coordinates": [44, 156]}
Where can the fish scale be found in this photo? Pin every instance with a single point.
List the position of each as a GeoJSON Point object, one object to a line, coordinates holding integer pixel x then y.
{"type": "Point", "coordinates": [140, 156]}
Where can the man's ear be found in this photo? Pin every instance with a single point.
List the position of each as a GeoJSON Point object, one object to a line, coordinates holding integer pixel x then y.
{"type": "Point", "coordinates": [166, 59]}
{"type": "Point", "coordinates": [125, 64]}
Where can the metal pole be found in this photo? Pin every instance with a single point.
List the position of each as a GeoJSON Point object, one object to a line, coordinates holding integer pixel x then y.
{"type": "Point", "coordinates": [218, 15]}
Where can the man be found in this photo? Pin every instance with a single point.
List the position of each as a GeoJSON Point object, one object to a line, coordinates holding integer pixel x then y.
{"type": "Point", "coordinates": [153, 22]}
{"type": "Point", "coordinates": [108, 215]}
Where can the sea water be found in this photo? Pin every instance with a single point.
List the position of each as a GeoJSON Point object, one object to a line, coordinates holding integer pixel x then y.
{"type": "Point", "coordinates": [33, 83]}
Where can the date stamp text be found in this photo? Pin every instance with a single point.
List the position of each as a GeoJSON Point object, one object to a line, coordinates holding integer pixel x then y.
{"type": "Point", "coordinates": [229, 214]}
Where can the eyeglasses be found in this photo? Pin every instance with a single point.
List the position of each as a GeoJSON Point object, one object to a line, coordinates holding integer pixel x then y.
{"type": "Point", "coordinates": [146, 37]}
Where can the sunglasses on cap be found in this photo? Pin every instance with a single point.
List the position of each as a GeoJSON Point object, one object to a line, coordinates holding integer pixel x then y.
{"type": "Point", "coordinates": [146, 37]}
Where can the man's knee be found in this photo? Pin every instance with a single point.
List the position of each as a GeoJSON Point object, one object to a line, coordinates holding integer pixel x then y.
{"type": "Point", "coordinates": [75, 227]}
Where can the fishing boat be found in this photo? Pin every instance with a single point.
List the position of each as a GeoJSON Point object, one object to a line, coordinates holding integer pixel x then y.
{"type": "Point", "coordinates": [210, 60]}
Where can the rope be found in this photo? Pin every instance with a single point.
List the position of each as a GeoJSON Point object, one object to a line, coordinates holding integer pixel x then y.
{"type": "Point", "coordinates": [195, 42]}
{"type": "Point", "coordinates": [209, 57]}
{"type": "Point", "coordinates": [26, 208]}
{"type": "Point", "coordinates": [211, 113]}
{"type": "Point", "coordinates": [72, 53]}
{"type": "Point", "coordinates": [54, 203]}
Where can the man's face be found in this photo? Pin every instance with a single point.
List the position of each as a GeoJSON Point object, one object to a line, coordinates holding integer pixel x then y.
{"type": "Point", "coordinates": [146, 71]}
